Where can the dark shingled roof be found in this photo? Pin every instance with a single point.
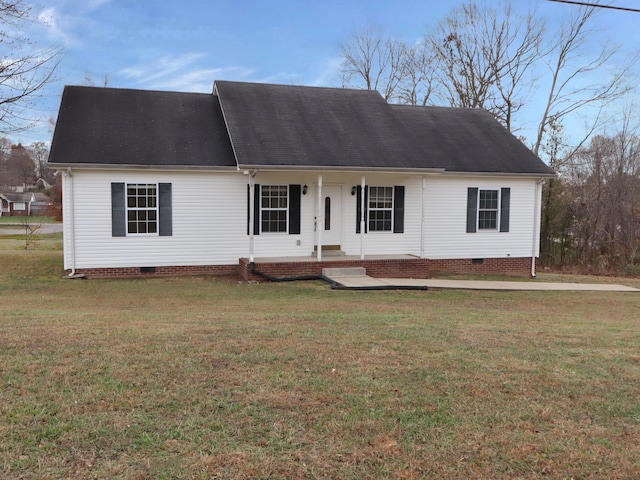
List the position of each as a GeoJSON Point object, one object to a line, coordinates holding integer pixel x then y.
{"type": "Point", "coordinates": [108, 126]}
{"type": "Point", "coordinates": [467, 140]}
{"type": "Point", "coordinates": [280, 126]}
{"type": "Point", "coordinates": [292, 126]}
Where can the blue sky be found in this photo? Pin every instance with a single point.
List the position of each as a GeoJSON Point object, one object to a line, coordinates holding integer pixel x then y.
{"type": "Point", "coordinates": [186, 45]}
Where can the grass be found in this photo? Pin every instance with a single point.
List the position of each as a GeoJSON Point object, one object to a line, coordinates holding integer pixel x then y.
{"type": "Point", "coordinates": [4, 219]}
{"type": "Point", "coordinates": [207, 378]}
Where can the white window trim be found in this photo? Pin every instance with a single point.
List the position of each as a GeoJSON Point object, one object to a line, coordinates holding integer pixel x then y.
{"type": "Point", "coordinates": [19, 206]}
{"type": "Point", "coordinates": [128, 209]}
{"type": "Point", "coordinates": [279, 209]}
{"type": "Point", "coordinates": [391, 209]}
{"type": "Point", "coordinates": [499, 209]}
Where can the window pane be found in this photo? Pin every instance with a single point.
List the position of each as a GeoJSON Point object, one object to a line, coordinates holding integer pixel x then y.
{"type": "Point", "coordinates": [380, 209]}
{"type": "Point", "coordinates": [142, 211]}
{"type": "Point", "coordinates": [327, 213]}
{"type": "Point", "coordinates": [273, 204]}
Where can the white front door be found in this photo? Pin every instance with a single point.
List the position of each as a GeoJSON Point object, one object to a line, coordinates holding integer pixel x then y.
{"type": "Point", "coordinates": [331, 221]}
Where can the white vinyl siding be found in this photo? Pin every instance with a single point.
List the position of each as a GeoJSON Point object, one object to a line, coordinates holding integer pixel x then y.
{"type": "Point", "coordinates": [446, 215]}
{"type": "Point", "coordinates": [210, 219]}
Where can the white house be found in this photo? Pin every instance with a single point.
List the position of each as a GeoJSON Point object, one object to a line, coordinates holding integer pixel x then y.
{"type": "Point", "coordinates": [291, 179]}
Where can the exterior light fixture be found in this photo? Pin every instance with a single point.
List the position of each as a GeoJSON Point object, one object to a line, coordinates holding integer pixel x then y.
{"type": "Point", "coordinates": [304, 189]}
{"type": "Point", "coordinates": [354, 189]}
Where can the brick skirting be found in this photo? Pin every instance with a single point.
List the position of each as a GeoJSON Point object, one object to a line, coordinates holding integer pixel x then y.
{"type": "Point", "coordinates": [147, 272]}
{"type": "Point", "coordinates": [381, 268]}
{"type": "Point", "coordinates": [385, 268]}
{"type": "Point", "coordinates": [520, 266]}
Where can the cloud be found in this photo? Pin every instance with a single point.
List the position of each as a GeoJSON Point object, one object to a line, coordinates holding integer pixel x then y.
{"type": "Point", "coordinates": [182, 73]}
{"type": "Point", "coordinates": [330, 74]}
{"type": "Point", "coordinates": [64, 21]}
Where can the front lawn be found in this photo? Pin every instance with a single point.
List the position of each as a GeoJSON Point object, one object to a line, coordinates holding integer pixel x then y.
{"type": "Point", "coordinates": [208, 378]}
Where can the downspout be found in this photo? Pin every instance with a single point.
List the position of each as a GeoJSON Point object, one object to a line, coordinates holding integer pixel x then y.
{"type": "Point", "coordinates": [70, 218]}
{"type": "Point", "coordinates": [320, 221]}
{"type": "Point", "coordinates": [536, 225]}
{"type": "Point", "coordinates": [362, 220]}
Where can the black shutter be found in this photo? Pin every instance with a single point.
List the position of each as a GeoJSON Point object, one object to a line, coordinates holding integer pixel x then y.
{"type": "Point", "coordinates": [359, 209]}
{"type": "Point", "coordinates": [118, 215]}
{"type": "Point", "coordinates": [398, 209]}
{"type": "Point", "coordinates": [165, 217]}
{"type": "Point", "coordinates": [295, 191]}
{"type": "Point", "coordinates": [472, 209]}
{"type": "Point", "coordinates": [505, 201]}
{"type": "Point", "coordinates": [256, 209]}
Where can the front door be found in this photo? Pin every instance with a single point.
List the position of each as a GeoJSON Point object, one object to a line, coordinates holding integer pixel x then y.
{"type": "Point", "coordinates": [331, 221]}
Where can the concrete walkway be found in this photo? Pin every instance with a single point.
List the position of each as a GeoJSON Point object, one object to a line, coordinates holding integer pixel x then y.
{"type": "Point", "coordinates": [359, 281]}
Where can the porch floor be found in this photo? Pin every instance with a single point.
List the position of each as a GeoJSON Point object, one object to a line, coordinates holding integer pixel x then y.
{"type": "Point", "coordinates": [332, 257]}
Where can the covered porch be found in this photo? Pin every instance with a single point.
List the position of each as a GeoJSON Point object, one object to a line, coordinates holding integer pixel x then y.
{"type": "Point", "coordinates": [383, 266]}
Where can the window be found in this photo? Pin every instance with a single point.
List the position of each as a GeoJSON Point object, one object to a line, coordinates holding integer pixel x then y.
{"type": "Point", "coordinates": [274, 205]}
{"type": "Point", "coordinates": [380, 209]}
{"type": "Point", "coordinates": [142, 208]}
{"type": "Point", "coordinates": [488, 210]}
{"type": "Point", "coordinates": [383, 208]}
{"type": "Point", "coordinates": [19, 206]}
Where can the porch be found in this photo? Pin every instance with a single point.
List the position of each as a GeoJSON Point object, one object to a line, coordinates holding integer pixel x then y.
{"type": "Point", "coordinates": [382, 266]}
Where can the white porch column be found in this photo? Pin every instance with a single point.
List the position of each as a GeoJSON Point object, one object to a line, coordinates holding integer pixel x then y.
{"type": "Point", "coordinates": [251, 214]}
{"type": "Point", "coordinates": [362, 219]}
{"type": "Point", "coordinates": [319, 219]}
{"type": "Point", "coordinates": [423, 219]}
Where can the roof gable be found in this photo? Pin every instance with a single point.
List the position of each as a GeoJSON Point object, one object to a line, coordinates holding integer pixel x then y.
{"type": "Point", "coordinates": [292, 126]}
{"type": "Point", "coordinates": [108, 126]}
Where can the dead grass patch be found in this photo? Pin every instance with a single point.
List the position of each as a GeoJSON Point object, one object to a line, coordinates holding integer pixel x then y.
{"type": "Point", "coordinates": [202, 378]}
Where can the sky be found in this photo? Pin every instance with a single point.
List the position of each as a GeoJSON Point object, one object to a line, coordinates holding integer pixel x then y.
{"type": "Point", "coordinates": [185, 45]}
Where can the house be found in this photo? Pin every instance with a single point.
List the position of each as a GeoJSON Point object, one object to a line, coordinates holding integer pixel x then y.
{"type": "Point", "coordinates": [289, 179]}
{"type": "Point", "coordinates": [23, 204]}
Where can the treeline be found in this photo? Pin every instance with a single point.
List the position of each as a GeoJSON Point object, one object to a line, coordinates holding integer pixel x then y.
{"type": "Point", "coordinates": [22, 166]}
{"type": "Point", "coordinates": [591, 212]}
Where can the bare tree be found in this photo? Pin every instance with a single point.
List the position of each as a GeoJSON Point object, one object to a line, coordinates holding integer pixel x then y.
{"type": "Point", "coordinates": [417, 80]}
{"type": "Point", "coordinates": [20, 167]}
{"type": "Point", "coordinates": [572, 64]}
{"type": "Point", "coordinates": [24, 68]}
{"type": "Point", "coordinates": [373, 62]}
{"type": "Point", "coordinates": [40, 154]}
{"type": "Point", "coordinates": [485, 56]}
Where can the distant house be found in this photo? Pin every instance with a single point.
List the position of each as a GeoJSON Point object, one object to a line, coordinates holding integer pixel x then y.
{"type": "Point", "coordinates": [290, 179]}
{"type": "Point", "coordinates": [23, 204]}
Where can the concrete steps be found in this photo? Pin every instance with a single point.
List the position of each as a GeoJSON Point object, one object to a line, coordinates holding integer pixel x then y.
{"type": "Point", "coordinates": [344, 272]}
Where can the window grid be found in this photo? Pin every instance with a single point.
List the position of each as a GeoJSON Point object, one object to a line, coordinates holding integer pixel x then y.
{"type": "Point", "coordinates": [274, 202]}
{"type": "Point", "coordinates": [380, 209]}
{"type": "Point", "coordinates": [142, 208]}
{"type": "Point", "coordinates": [488, 210]}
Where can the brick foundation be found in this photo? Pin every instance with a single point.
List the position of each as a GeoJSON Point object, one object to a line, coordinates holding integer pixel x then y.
{"type": "Point", "coordinates": [382, 268]}
{"type": "Point", "coordinates": [173, 271]}
{"type": "Point", "coordinates": [390, 268]}
{"type": "Point", "coordinates": [487, 266]}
